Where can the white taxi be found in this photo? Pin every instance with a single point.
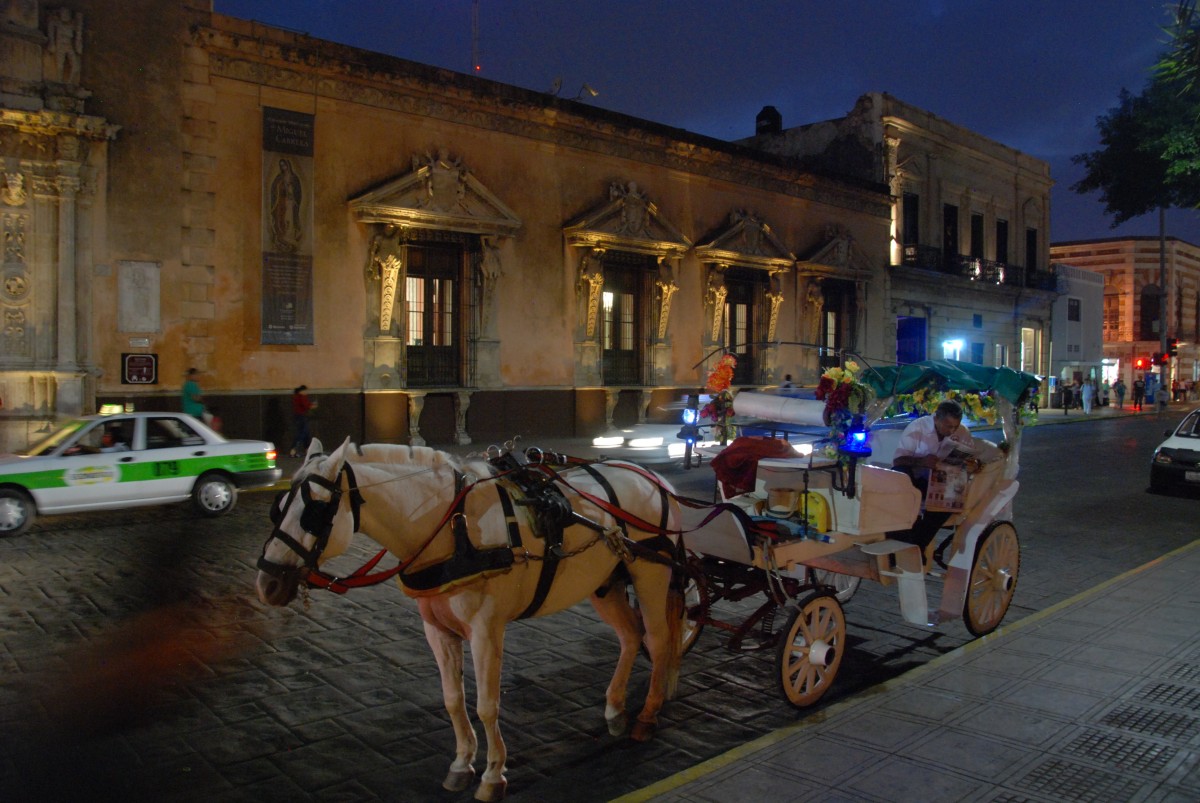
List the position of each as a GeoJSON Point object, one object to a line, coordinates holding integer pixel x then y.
{"type": "Point", "coordinates": [1176, 461]}
{"type": "Point", "coordinates": [105, 462]}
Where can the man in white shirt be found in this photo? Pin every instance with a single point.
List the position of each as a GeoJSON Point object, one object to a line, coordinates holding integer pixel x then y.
{"type": "Point", "coordinates": [917, 450]}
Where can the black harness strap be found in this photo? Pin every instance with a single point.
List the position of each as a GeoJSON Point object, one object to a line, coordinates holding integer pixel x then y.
{"type": "Point", "coordinates": [467, 560]}
{"type": "Point", "coordinates": [650, 548]}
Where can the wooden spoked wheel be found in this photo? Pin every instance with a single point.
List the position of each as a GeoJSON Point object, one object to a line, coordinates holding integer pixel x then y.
{"type": "Point", "coordinates": [993, 578]}
{"type": "Point", "coordinates": [695, 607]}
{"type": "Point", "coordinates": [810, 649]}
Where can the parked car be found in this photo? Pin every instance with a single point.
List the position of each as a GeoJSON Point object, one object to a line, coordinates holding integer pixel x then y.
{"type": "Point", "coordinates": [1176, 461]}
{"type": "Point", "coordinates": [105, 462]}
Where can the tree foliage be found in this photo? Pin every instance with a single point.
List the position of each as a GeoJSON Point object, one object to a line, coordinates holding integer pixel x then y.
{"type": "Point", "coordinates": [1151, 149]}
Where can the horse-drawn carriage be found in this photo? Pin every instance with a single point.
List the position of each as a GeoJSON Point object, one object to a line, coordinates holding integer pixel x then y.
{"type": "Point", "coordinates": [485, 541]}
{"type": "Point", "coordinates": [816, 523]}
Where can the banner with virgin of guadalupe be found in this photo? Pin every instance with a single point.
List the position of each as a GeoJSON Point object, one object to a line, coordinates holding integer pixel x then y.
{"type": "Point", "coordinates": [287, 227]}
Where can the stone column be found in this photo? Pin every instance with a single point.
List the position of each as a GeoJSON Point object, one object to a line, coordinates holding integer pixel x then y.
{"type": "Point", "coordinates": [462, 401]}
{"type": "Point", "coordinates": [644, 407]}
{"type": "Point", "coordinates": [67, 348]}
{"type": "Point", "coordinates": [610, 403]}
{"type": "Point", "coordinates": [416, 403]}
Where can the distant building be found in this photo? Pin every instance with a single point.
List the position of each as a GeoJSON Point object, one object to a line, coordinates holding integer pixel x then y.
{"type": "Point", "coordinates": [1076, 342]}
{"type": "Point", "coordinates": [1130, 267]}
{"type": "Point", "coordinates": [969, 274]}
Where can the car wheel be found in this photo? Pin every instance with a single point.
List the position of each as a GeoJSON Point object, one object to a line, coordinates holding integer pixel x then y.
{"type": "Point", "coordinates": [17, 511]}
{"type": "Point", "coordinates": [214, 495]}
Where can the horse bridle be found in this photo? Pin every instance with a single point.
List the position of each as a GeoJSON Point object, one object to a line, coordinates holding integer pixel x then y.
{"type": "Point", "coordinates": [316, 519]}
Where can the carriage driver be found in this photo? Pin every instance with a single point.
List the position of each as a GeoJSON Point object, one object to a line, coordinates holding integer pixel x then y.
{"type": "Point", "coordinates": [917, 453]}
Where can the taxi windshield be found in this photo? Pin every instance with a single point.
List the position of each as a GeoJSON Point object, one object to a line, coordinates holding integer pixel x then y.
{"type": "Point", "coordinates": [1190, 426]}
{"type": "Point", "coordinates": [52, 441]}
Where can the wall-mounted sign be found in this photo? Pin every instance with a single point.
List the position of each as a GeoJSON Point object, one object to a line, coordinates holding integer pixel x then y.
{"type": "Point", "coordinates": [139, 369]}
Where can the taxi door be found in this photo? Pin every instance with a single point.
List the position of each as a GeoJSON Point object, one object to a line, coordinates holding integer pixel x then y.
{"type": "Point", "coordinates": [91, 475]}
{"type": "Point", "coordinates": [160, 469]}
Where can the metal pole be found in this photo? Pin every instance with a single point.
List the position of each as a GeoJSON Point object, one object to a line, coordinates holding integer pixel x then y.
{"type": "Point", "coordinates": [1164, 383]}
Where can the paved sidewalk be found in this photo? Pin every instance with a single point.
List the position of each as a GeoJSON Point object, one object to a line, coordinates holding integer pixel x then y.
{"type": "Point", "coordinates": [1094, 699]}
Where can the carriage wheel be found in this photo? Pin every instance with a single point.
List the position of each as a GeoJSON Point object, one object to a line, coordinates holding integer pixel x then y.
{"type": "Point", "coordinates": [810, 649]}
{"type": "Point", "coordinates": [695, 607]}
{"type": "Point", "coordinates": [993, 578]}
{"type": "Point", "coordinates": [843, 585]}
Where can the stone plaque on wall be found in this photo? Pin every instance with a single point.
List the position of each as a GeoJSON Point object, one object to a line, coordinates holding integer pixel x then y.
{"type": "Point", "coordinates": [138, 296]}
{"type": "Point", "coordinates": [287, 227]}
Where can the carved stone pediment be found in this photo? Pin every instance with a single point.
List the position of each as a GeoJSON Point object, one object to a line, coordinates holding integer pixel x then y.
{"type": "Point", "coordinates": [440, 193]}
{"type": "Point", "coordinates": [628, 222]}
{"type": "Point", "coordinates": [838, 257]}
{"type": "Point", "coordinates": [746, 242]}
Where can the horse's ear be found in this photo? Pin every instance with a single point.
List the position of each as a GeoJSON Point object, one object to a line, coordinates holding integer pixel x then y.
{"type": "Point", "coordinates": [314, 447]}
{"type": "Point", "coordinates": [333, 463]}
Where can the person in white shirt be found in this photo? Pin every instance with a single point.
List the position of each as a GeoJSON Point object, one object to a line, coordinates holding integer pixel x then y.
{"type": "Point", "coordinates": [918, 449]}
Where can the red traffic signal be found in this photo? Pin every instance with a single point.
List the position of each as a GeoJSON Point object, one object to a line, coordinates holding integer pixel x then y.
{"type": "Point", "coordinates": [1162, 359]}
{"type": "Point", "coordinates": [1141, 364]}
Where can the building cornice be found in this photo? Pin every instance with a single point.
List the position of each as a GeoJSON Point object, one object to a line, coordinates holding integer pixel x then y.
{"type": "Point", "coordinates": [253, 53]}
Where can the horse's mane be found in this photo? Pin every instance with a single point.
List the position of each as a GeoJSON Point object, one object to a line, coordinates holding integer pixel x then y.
{"type": "Point", "coordinates": [393, 454]}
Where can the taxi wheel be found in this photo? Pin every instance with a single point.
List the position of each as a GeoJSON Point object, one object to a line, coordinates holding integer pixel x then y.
{"type": "Point", "coordinates": [214, 495]}
{"type": "Point", "coordinates": [16, 511]}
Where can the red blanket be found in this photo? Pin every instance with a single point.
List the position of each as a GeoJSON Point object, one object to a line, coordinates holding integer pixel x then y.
{"type": "Point", "coordinates": [737, 465]}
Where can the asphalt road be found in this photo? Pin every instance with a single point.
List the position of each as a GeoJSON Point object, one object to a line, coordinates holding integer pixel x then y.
{"type": "Point", "coordinates": [138, 663]}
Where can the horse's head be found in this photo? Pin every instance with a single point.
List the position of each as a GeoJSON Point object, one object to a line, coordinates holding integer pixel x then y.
{"type": "Point", "coordinates": [311, 523]}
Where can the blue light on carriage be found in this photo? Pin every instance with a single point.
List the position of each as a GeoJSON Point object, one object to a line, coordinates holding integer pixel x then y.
{"type": "Point", "coordinates": [856, 443]}
{"type": "Point", "coordinates": [690, 416]}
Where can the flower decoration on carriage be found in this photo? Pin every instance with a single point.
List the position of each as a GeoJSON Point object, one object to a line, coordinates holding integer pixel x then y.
{"type": "Point", "coordinates": [977, 407]}
{"type": "Point", "coordinates": [844, 396]}
{"type": "Point", "coordinates": [720, 404]}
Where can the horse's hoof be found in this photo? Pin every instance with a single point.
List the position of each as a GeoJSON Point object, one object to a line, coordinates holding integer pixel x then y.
{"type": "Point", "coordinates": [491, 792]}
{"type": "Point", "coordinates": [458, 780]}
{"type": "Point", "coordinates": [642, 731]}
{"type": "Point", "coordinates": [617, 725]}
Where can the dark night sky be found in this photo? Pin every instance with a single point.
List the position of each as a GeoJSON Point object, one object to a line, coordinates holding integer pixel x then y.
{"type": "Point", "coordinates": [1031, 74]}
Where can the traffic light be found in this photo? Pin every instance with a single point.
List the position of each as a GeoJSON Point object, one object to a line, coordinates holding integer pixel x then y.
{"type": "Point", "coordinates": [1173, 346]}
{"type": "Point", "coordinates": [1141, 364]}
{"type": "Point", "coordinates": [1161, 358]}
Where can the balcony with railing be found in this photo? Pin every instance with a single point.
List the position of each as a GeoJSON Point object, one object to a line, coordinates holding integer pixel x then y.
{"type": "Point", "coordinates": [976, 269]}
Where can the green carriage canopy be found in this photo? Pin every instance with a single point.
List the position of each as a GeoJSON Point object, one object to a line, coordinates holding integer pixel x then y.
{"type": "Point", "coordinates": [893, 380]}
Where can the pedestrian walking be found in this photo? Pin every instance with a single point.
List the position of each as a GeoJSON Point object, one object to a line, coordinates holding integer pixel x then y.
{"type": "Point", "coordinates": [1087, 395]}
{"type": "Point", "coordinates": [1119, 389]}
{"type": "Point", "coordinates": [1139, 393]}
{"type": "Point", "coordinates": [301, 406]}
{"type": "Point", "coordinates": [192, 398]}
{"type": "Point", "coordinates": [1105, 388]}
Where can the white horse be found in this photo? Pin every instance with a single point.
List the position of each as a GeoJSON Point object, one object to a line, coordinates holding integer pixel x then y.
{"type": "Point", "coordinates": [419, 503]}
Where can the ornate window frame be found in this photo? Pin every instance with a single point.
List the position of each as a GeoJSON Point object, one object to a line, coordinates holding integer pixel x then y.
{"type": "Point", "coordinates": [628, 221]}
{"type": "Point", "coordinates": [440, 199]}
{"type": "Point", "coordinates": [746, 241]}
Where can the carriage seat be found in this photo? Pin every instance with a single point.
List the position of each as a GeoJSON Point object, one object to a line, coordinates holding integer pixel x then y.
{"type": "Point", "coordinates": [883, 446]}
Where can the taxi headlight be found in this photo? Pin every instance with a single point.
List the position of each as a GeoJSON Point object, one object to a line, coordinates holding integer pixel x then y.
{"type": "Point", "coordinates": [1164, 456]}
{"type": "Point", "coordinates": [645, 443]}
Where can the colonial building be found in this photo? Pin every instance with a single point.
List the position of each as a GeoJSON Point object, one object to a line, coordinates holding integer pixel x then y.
{"type": "Point", "coordinates": [1134, 308]}
{"type": "Point", "coordinates": [436, 256]}
{"type": "Point", "coordinates": [969, 274]}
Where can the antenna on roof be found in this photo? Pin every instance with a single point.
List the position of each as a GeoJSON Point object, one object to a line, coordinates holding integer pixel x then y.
{"type": "Point", "coordinates": [476, 67]}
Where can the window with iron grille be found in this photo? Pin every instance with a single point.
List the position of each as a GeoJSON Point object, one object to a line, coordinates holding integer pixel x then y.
{"type": "Point", "coordinates": [440, 313]}
{"type": "Point", "coordinates": [1073, 313]}
{"type": "Point", "coordinates": [1112, 317]}
{"type": "Point", "coordinates": [625, 309]}
{"type": "Point", "coordinates": [745, 320]}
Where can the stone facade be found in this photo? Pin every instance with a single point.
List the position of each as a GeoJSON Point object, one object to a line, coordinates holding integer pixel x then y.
{"type": "Point", "coordinates": [969, 272]}
{"type": "Point", "coordinates": [442, 258]}
{"type": "Point", "coordinates": [1130, 267]}
{"type": "Point", "coordinates": [54, 161]}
